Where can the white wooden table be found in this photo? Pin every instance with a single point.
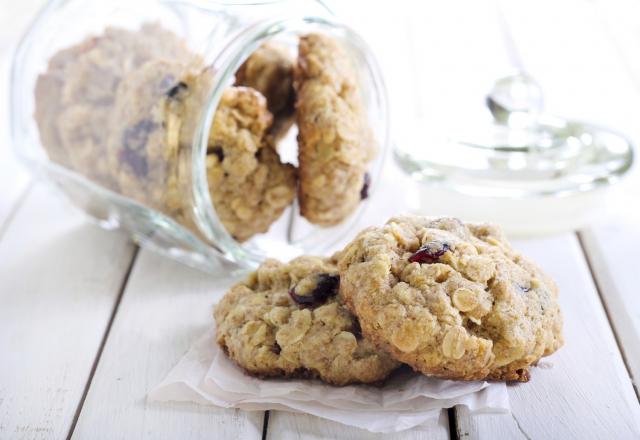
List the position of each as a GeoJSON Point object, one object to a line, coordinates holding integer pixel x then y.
{"type": "Point", "coordinates": [89, 323]}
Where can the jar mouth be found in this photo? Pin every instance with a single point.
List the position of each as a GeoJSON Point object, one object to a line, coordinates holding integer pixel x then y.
{"type": "Point", "coordinates": [224, 66]}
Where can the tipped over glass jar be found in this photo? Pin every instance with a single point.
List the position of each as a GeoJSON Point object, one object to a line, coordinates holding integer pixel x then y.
{"type": "Point", "coordinates": [212, 131]}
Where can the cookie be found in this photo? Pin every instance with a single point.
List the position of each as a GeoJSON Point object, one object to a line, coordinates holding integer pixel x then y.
{"type": "Point", "coordinates": [250, 187]}
{"type": "Point", "coordinates": [75, 96]}
{"type": "Point", "coordinates": [288, 320]}
{"type": "Point", "coordinates": [453, 301]}
{"type": "Point", "coordinates": [269, 70]}
{"type": "Point", "coordinates": [144, 148]}
{"type": "Point", "coordinates": [334, 140]}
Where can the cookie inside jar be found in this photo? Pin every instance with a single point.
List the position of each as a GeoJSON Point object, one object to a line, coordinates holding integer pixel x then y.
{"type": "Point", "coordinates": [288, 140]}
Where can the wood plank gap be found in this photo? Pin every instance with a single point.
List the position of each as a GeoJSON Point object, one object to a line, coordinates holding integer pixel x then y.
{"type": "Point", "coordinates": [16, 207]}
{"type": "Point", "coordinates": [265, 425]}
{"type": "Point", "coordinates": [596, 283]}
{"type": "Point", "coordinates": [116, 305]}
{"type": "Point", "coordinates": [453, 424]}
{"type": "Point", "coordinates": [455, 429]}
{"type": "Point", "coordinates": [519, 426]}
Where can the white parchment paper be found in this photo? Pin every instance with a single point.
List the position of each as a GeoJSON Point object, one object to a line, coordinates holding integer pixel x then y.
{"type": "Point", "coordinates": [205, 375]}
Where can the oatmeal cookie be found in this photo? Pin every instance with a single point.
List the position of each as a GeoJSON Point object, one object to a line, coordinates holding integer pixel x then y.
{"type": "Point", "coordinates": [144, 148]}
{"type": "Point", "coordinates": [75, 96]}
{"type": "Point", "coordinates": [269, 70]}
{"type": "Point", "coordinates": [288, 320]}
{"type": "Point", "coordinates": [249, 185]}
{"type": "Point", "coordinates": [335, 141]}
{"type": "Point", "coordinates": [453, 301]}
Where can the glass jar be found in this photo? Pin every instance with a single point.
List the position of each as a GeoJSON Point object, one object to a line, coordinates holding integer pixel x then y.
{"type": "Point", "coordinates": [118, 104]}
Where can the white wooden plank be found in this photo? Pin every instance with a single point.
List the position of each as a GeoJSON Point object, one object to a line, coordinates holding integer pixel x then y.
{"type": "Point", "coordinates": [612, 245]}
{"type": "Point", "coordinates": [286, 426]}
{"type": "Point", "coordinates": [165, 308]}
{"type": "Point", "coordinates": [612, 254]}
{"type": "Point", "coordinates": [582, 391]}
{"type": "Point", "coordinates": [59, 281]}
{"type": "Point", "coordinates": [488, 426]}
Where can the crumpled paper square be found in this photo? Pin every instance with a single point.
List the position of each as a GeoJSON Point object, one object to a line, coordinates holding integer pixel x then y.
{"type": "Point", "coordinates": [205, 375]}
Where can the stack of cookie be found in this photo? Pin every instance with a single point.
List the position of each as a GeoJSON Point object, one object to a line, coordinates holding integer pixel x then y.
{"type": "Point", "coordinates": [335, 143]}
{"type": "Point", "coordinates": [122, 108]}
{"type": "Point", "coordinates": [451, 300]}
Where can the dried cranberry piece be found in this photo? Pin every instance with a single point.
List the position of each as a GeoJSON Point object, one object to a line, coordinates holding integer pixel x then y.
{"type": "Point", "coordinates": [326, 285]}
{"type": "Point", "coordinates": [218, 151]}
{"type": "Point", "coordinates": [357, 330]}
{"type": "Point", "coordinates": [429, 252]}
{"type": "Point", "coordinates": [301, 299]}
{"type": "Point", "coordinates": [364, 192]}
{"type": "Point", "coordinates": [177, 90]}
{"type": "Point", "coordinates": [134, 140]}
{"type": "Point", "coordinates": [136, 162]}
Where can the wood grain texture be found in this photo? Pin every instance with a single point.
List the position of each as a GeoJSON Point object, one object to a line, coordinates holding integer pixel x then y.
{"type": "Point", "coordinates": [582, 391]}
{"type": "Point", "coordinates": [164, 309]}
{"type": "Point", "coordinates": [59, 281]}
{"type": "Point", "coordinates": [612, 245]}
{"type": "Point", "coordinates": [617, 279]}
{"type": "Point", "coordinates": [287, 426]}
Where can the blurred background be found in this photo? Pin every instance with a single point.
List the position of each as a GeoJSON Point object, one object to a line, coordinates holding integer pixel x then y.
{"type": "Point", "coordinates": [441, 58]}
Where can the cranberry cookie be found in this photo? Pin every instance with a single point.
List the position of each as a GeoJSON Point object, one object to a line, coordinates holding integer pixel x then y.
{"type": "Point", "coordinates": [269, 70]}
{"type": "Point", "coordinates": [453, 301]}
{"type": "Point", "coordinates": [249, 185]}
{"type": "Point", "coordinates": [335, 141]}
{"type": "Point", "coordinates": [288, 320]}
{"type": "Point", "coordinates": [144, 143]}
